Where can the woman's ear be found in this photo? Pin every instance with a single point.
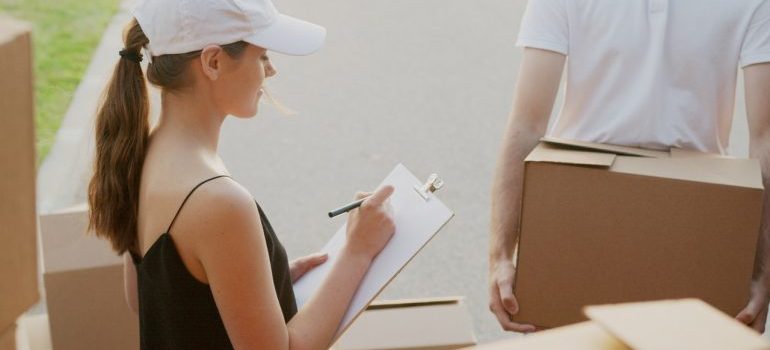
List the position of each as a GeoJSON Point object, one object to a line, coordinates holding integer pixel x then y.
{"type": "Point", "coordinates": [211, 61]}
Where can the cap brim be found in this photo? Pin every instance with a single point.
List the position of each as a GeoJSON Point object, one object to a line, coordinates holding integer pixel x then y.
{"type": "Point", "coordinates": [290, 36]}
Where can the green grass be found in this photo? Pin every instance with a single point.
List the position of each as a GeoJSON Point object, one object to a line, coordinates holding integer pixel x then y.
{"type": "Point", "coordinates": [65, 34]}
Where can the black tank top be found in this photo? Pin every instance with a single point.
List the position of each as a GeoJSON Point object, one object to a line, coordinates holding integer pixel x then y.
{"type": "Point", "coordinates": [176, 311]}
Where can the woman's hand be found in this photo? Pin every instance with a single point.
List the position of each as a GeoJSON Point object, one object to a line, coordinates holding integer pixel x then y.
{"type": "Point", "coordinates": [371, 226]}
{"type": "Point", "coordinates": [300, 266]}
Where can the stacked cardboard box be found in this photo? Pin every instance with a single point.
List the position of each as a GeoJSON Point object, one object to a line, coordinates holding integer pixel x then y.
{"type": "Point", "coordinates": [18, 225]}
{"type": "Point", "coordinates": [659, 325]}
{"type": "Point", "coordinates": [604, 224]}
{"type": "Point", "coordinates": [83, 280]}
{"type": "Point", "coordinates": [430, 324]}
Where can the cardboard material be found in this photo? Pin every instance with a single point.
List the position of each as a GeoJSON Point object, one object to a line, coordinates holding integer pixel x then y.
{"type": "Point", "coordinates": [580, 336]}
{"type": "Point", "coordinates": [84, 287]}
{"type": "Point", "coordinates": [8, 338]}
{"type": "Point", "coordinates": [425, 324]}
{"type": "Point", "coordinates": [18, 228]}
{"type": "Point", "coordinates": [675, 324]}
{"type": "Point", "coordinates": [599, 227]}
{"type": "Point", "coordinates": [687, 324]}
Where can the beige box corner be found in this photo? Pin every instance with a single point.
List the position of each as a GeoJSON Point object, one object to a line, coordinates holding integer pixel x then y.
{"type": "Point", "coordinates": [84, 287]}
{"type": "Point", "coordinates": [425, 324]}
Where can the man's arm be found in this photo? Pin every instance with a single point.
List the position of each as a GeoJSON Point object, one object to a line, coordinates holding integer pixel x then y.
{"type": "Point", "coordinates": [536, 87]}
{"type": "Point", "coordinates": [757, 86]}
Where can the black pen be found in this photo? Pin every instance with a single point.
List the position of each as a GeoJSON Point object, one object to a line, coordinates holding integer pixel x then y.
{"type": "Point", "coordinates": [347, 208]}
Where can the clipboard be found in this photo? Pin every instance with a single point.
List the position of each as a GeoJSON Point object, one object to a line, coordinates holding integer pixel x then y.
{"type": "Point", "coordinates": [418, 215]}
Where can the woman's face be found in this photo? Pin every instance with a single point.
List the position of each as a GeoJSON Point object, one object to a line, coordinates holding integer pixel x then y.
{"type": "Point", "coordinates": [240, 85]}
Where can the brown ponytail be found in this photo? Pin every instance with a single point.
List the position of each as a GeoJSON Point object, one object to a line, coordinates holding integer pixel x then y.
{"type": "Point", "coordinates": [122, 130]}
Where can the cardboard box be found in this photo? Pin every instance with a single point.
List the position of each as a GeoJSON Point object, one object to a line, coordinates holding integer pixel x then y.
{"type": "Point", "coordinates": [660, 325]}
{"type": "Point", "coordinates": [606, 224]}
{"type": "Point", "coordinates": [18, 225]}
{"type": "Point", "coordinates": [83, 280]}
{"type": "Point", "coordinates": [425, 324]}
{"type": "Point", "coordinates": [8, 338]}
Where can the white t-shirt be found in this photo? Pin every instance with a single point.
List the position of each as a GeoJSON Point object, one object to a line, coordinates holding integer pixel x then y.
{"type": "Point", "coordinates": [650, 73]}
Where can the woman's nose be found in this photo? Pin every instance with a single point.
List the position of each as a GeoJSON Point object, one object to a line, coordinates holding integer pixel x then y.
{"type": "Point", "coordinates": [270, 71]}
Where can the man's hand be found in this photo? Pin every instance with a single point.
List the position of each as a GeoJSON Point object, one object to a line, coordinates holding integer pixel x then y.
{"type": "Point", "coordinates": [757, 85]}
{"type": "Point", "coordinates": [300, 266]}
{"type": "Point", "coordinates": [755, 313]}
{"type": "Point", "coordinates": [502, 302]}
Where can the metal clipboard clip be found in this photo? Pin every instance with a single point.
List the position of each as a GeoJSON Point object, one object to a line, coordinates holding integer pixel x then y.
{"type": "Point", "coordinates": [432, 185]}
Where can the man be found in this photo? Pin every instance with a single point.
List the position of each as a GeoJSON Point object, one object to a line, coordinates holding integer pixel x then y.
{"type": "Point", "coordinates": [645, 73]}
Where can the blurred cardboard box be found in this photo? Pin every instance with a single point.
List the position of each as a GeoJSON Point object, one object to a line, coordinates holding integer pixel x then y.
{"type": "Point", "coordinates": [84, 286]}
{"type": "Point", "coordinates": [660, 325]}
{"type": "Point", "coordinates": [8, 338]}
{"type": "Point", "coordinates": [18, 225]}
{"type": "Point", "coordinates": [426, 324]}
{"type": "Point", "coordinates": [605, 224]}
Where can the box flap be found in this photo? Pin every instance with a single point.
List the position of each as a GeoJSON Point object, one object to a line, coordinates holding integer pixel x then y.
{"type": "Point", "coordinates": [446, 324]}
{"type": "Point", "coordinates": [67, 246]}
{"type": "Point", "coordinates": [675, 324]}
{"type": "Point", "coordinates": [600, 147]}
{"type": "Point", "coordinates": [545, 152]}
{"type": "Point", "coordinates": [706, 169]}
{"type": "Point", "coordinates": [580, 336]}
{"type": "Point", "coordinates": [688, 153]}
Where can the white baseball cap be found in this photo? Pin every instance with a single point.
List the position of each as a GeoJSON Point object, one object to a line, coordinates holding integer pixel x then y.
{"type": "Point", "coordinates": [180, 26]}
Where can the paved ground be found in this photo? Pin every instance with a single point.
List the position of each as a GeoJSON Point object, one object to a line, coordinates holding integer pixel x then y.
{"type": "Point", "coordinates": [426, 83]}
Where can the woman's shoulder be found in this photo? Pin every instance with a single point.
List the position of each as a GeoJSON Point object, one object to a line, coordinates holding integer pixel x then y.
{"type": "Point", "coordinates": [225, 218]}
{"type": "Point", "coordinates": [224, 199]}
{"type": "Point", "coordinates": [216, 206]}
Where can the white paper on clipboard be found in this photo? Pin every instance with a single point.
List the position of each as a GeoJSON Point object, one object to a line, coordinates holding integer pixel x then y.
{"type": "Point", "coordinates": [417, 221]}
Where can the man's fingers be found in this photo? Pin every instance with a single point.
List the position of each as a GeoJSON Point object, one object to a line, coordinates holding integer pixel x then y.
{"type": "Point", "coordinates": [760, 321]}
{"type": "Point", "coordinates": [503, 317]}
{"type": "Point", "coordinates": [747, 315]}
{"type": "Point", "coordinates": [505, 288]}
{"type": "Point", "coordinates": [505, 322]}
{"type": "Point", "coordinates": [379, 196]}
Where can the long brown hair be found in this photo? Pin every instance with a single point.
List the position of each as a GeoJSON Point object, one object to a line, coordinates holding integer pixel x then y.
{"type": "Point", "coordinates": [122, 132]}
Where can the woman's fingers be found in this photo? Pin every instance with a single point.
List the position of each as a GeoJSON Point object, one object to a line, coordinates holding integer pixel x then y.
{"type": "Point", "coordinates": [379, 196]}
{"type": "Point", "coordinates": [301, 266]}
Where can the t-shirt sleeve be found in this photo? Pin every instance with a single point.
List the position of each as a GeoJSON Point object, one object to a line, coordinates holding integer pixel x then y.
{"type": "Point", "coordinates": [756, 43]}
{"type": "Point", "coordinates": [545, 26]}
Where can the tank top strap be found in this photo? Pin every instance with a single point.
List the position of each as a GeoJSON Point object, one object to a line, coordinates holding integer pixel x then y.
{"type": "Point", "coordinates": [188, 197]}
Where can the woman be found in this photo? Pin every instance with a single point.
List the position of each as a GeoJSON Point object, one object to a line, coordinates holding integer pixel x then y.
{"type": "Point", "coordinates": [203, 266]}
